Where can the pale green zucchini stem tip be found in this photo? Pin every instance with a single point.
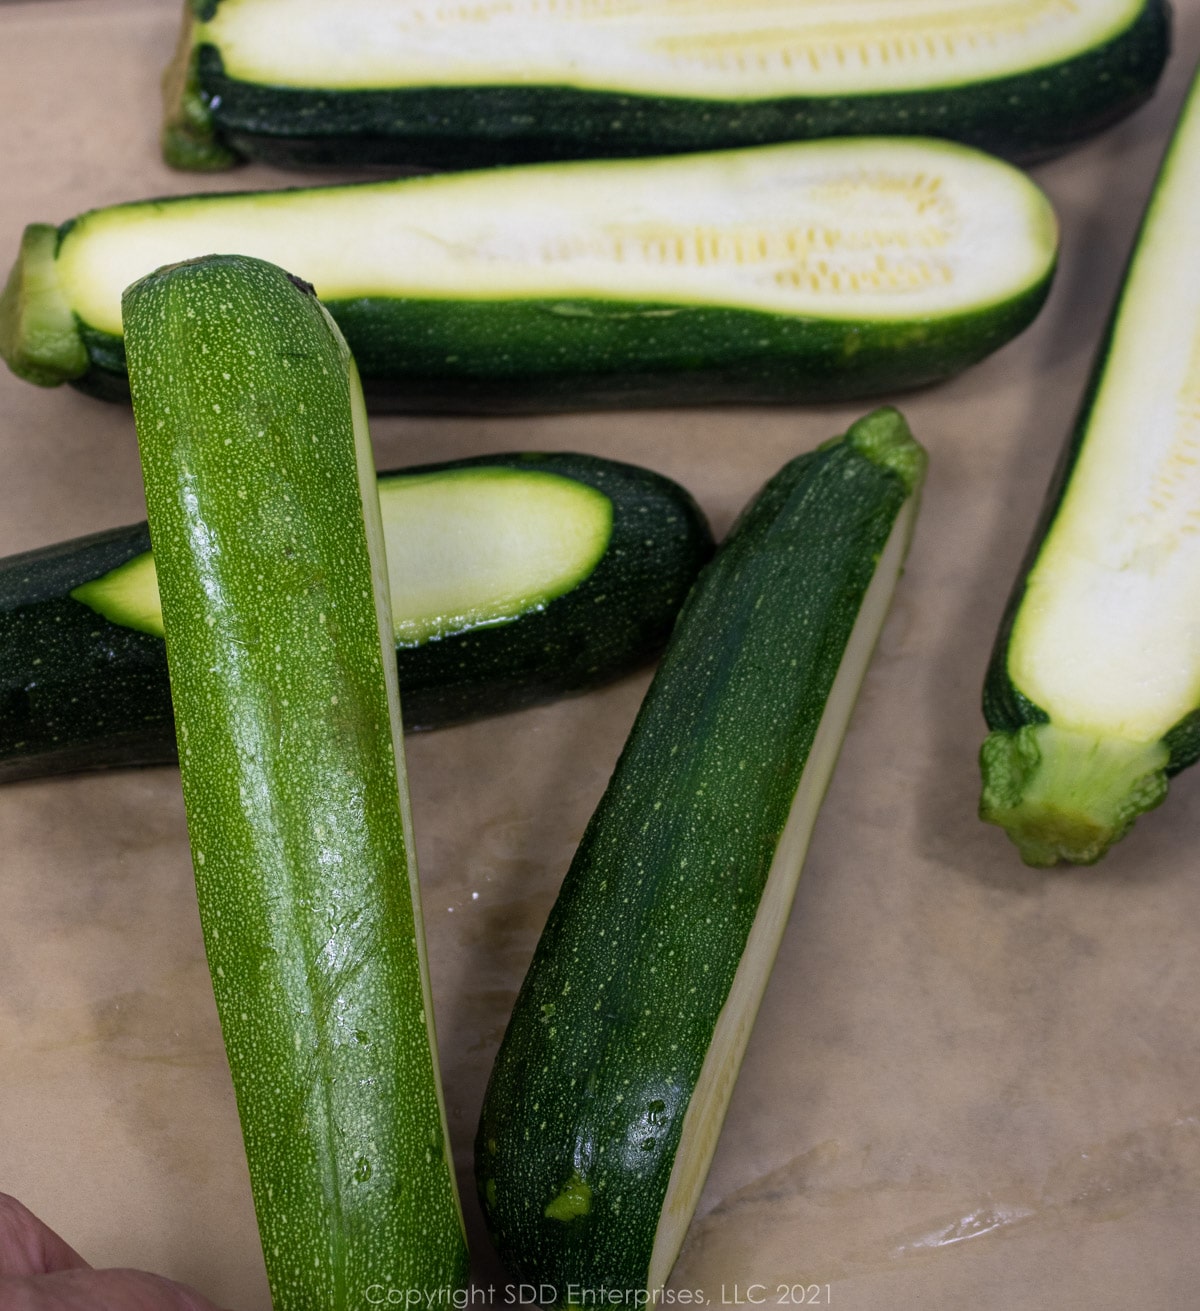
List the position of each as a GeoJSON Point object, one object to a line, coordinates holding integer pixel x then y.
{"type": "Point", "coordinates": [39, 337]}
{"type": "Point", "coordinates": [1065, 796]}
{"type": "Point", "coordinates": [884, 437]}
{"type": "Point", "coordinates": [189, 138]}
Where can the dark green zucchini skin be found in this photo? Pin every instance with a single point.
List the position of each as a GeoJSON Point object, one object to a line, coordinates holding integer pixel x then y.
{"type": "Point", "coordinates": [590, 354]}
{"type": "Point", "coordinates": [615, 1015]}
{"type": "Point", "coordinates": [1024, 116]}
{"type": "Point", "coordinates": [78, 691]}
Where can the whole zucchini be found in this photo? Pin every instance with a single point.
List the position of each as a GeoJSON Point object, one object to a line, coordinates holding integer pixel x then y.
{"type": "Point", "coordinates": [1093, 694]}
{"type": "Point", "coordinates": [269, 550]}
{"type": "Point", "coordinates": [788, 273]}
{"type": "Point", "coordinates": [516, 579]}
{"type": "Point", "coordinates": [609, 1089]}
{"type": "Point", "coordinates": [301, 82]}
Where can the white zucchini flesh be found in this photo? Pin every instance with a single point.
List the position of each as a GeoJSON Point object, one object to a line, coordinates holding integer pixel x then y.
{"type": "Point", "coordinates": [714, 48]}
{"type": "Point", "coordinates": [497, 561]}
{"type": "Point", "coordinates": [1107, 640]}
{"type": "Point", "coordinates": [718, 1074]}
{"type": "Point", "coordinates": [457, 556]}
{"type": "Point", "coordinates": [862, 229]}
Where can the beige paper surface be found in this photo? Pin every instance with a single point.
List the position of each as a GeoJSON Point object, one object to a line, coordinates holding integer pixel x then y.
{"type": "Point", "coordinates": [970, 1084]}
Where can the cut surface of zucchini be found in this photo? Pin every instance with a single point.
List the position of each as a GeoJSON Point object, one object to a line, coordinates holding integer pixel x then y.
{"type": "Point", "coordinates": [458, 558]}
{"type": "Point", "coordinates": [721, 48]}
{"type": "Point", "coordinates": [791, 272]}
{"type": "Point", "coordinates": [1099, 665]}
{"type": "Point", "coordinates": [301, 82]}
{"type": "Point", "coordinates": [873, 230]}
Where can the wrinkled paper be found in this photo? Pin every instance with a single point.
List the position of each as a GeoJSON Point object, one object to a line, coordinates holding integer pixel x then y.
{"type": "Point", "coordinates": [970, 1084]}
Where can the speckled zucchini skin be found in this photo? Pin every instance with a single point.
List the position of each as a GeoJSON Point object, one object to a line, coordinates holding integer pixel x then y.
{"type": "Point", "coordinates": [585, 354]}
{"type": "Point", "coordinates": [1023, 116]}
{"type": "Point", "coordinates": [587, 1098]}
{"type": "Point", "coordinates": [260, 494]}
{"type": "Point", "coordinates": [78, 691]}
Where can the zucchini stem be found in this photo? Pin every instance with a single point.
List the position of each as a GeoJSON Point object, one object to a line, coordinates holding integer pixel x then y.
{"type": "Point", "coordinates": [884, 438]}
{"type": "Point", "coordinates": [189, 137]}
{"type": "Point", "coordinates": [39, 335]}
{"type": "Point", "coordinates": [1063, 795]}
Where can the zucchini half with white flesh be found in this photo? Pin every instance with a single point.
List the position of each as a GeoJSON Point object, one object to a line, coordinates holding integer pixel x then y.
{"type": "Point", "coordinates": [788, 273]}
{"type": "Point", "coordinates": [306, 82]}
{"type": "Point", "coordinates": [270, 556]}
{"type": "Point", "coordinates": [1093, 694]}
{"type": "Point", "coordinates": [515, 579]}
{"type": "Point", "coordinates": [611, 1084]}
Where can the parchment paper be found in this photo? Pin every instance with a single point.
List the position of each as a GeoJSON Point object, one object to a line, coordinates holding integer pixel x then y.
{"type": "Point", "coordinates": [970, 1085]}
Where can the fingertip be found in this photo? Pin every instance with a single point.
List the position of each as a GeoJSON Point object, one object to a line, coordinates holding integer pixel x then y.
{"type": "Point", "coordinates": [30, 1247]}
{"type": "Point", "coordinates": [118, 1290]}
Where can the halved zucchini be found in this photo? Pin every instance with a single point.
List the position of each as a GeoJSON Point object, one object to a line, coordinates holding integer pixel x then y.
{"type": "Point", "coordinates": [515, 579]}
{"type": "Point", "coordinates": [1094, 688]}
{"type": "Point", "coordinates": [372, 81]}
{"type": "Point", "coordinates": [788, 273]}
{"type": "Point", "coordinates": [611, 1084]}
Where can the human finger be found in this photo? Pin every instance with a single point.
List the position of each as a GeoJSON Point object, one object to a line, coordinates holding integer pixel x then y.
{"type": "Point", "coordinates": [99, 1290]}
{"type": "Point", "coordinates": [29, 1247]}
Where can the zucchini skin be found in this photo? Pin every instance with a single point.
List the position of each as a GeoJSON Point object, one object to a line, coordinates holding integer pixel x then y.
{"type": "Point", "coordinates": [261, 498]}
{"type": "Point", "coordinates": [587, 1098]}
{"type": "Point", "coordinates": [1025, 116]}
{"type": "Point", "coordinates": [78, 691]}
{"type": "Point", "coordinates": [585, 354]}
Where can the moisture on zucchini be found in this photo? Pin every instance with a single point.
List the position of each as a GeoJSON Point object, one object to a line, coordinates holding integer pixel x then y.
{"type": "Point", "coordinates": [612, 1081]}
{"type": "Point", "coordinates": [303, 82]}
{"type": "Point", "coordinates": [1093, 693]}
{"type": "Point", "coordinates": [274, 585]}
{"type": "Point", "coordinates": [515, 579]}
{"type": "Point", "coordinates": [788, 273]}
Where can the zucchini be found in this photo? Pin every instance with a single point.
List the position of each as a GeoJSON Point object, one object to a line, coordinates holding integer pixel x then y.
{"type": "Point", "coordinates": [1093, 692]}
{"type": "Point", "coordinates": [788, 273]}
{"type": "Point", "coordinates": [610, 1086]}
{"type": "Point", "coordinates": [269, 549]}
{"type": "Point", "coordinates": [301, 82]}
{"type": "Point", "coordinates": [516, 579]}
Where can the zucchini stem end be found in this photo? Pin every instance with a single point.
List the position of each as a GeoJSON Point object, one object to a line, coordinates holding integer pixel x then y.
{"type": "Point", "coordinates": [1067, 796]}
{"type": "Point", "coordinates": [39, 336]}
